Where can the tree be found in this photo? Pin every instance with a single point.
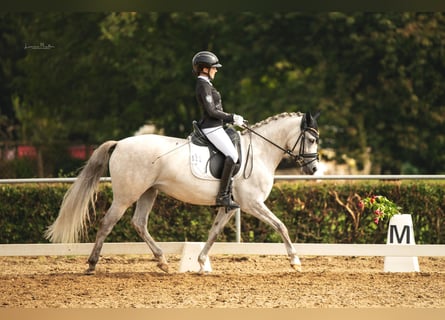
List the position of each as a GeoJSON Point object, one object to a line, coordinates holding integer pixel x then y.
{"type": "Point", "coordinates": [67, 92]}
{"type": "Point", "coordinates": [11, 48]}
{"type": "Point", "coordinates": [376, 77]}
{"type": "Point", "coordinates": [383, 71]}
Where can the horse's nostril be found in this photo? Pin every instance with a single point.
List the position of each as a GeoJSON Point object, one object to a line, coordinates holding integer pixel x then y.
{"type": "Point", "coordinates": [314, 169]}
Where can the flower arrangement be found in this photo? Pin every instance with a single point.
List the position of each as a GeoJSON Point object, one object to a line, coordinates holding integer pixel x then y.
{"type": "Point", "coordinates": [381, 206]}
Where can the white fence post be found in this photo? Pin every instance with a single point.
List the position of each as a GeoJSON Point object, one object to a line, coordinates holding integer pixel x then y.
{"type": "Point", "coordinates": [238, 225]}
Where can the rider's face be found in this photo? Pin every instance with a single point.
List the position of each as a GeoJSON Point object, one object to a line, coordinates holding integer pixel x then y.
{"type": "Point", "coordinates": [212, 72]}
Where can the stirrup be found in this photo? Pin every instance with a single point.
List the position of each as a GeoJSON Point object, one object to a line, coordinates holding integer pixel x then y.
{"type": "Point", "coordinates": [226, 201]}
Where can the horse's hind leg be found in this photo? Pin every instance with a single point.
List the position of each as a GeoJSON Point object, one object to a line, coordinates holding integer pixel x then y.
{"type": "Point", "coordinates": [113, 215]}
{"type": "Point", "coordinates": [140, 220]}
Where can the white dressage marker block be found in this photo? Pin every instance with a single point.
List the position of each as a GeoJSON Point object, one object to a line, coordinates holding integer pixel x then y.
{"type": "Point", "coordinates": [189, 259]}
{"type": "Point", "coordinates": [401, 232]}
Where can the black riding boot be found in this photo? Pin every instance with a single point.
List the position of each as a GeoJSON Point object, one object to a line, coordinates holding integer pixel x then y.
{"type": "Point", "coordinates": [224, 197]}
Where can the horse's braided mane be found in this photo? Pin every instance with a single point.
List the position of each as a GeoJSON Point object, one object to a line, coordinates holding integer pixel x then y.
{"type": "Point", "coordinates": [273, 118]}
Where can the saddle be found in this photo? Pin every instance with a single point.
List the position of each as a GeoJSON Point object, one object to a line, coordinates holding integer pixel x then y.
{"type": "Point", "coordinates": [215, 161]}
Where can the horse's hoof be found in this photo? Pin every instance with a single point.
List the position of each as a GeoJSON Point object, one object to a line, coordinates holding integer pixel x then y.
{"type": "Point", "coordinates": [203, 272]}
{"type": "Point", "coordinates": [296, 267]}
{"type": "Point", "coordinates": [163, 266]}
{"type": "Point", "coordinates": [90, 271]}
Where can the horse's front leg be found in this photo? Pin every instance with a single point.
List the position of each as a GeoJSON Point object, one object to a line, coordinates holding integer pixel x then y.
{"type": "Point", "coordinates": [262, 212]}
{"type": "Point", "coordinates": [220, 221]}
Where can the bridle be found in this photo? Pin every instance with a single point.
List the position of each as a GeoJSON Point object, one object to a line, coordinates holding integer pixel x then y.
{"type": "Point", "coordinates": [301, 157]}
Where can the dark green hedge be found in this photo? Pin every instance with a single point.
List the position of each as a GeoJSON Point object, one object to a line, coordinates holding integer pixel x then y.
{"type": "Point", "coordinates": [314, 212]}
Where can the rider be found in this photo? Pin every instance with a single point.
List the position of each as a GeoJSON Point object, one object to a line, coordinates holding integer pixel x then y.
{"type": "Point", "coordinates": [205, 65]}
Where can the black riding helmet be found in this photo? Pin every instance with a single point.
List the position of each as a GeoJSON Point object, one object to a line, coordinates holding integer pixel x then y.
{"type": "Point", "coordinates": [204, 59]}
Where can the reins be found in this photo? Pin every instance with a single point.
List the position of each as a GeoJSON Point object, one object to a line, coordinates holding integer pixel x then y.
{"type": "Point", "coordinates": [249, 154]}
{"type": "Point", "coordinates": [298, 158]}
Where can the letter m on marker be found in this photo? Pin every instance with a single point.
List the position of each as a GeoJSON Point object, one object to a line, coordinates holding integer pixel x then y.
{"type": "Point", "coordinates": [394, 231]}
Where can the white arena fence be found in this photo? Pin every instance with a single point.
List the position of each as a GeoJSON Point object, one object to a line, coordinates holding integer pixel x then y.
{"type": "Point", "coordinates": [308, 249]}
{"type": "Point", "coordinates": [277, 178]}
{"type": "Point", "coordinates": [303, 249]}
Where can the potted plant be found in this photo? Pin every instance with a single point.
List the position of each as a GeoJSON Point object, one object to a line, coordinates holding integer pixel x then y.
{"type": "Point", "coordinates": [381, 206]}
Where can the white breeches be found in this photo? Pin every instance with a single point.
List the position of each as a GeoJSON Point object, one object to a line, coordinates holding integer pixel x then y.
{"type": "Point", "coordinates": [221, 140]}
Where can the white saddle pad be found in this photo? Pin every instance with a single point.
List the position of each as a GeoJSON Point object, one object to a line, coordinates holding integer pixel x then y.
{"type": "Point", "coordinates": [199, 162]}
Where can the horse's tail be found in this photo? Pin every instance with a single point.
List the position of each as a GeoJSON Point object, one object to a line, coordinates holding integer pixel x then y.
{"type": "Point", "coordinates": [74, 211]}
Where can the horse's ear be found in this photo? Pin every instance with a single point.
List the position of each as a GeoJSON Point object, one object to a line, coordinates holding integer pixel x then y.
{"type": "Point", "coordinates": [317, 115]}
{"type": "Point", "coordinates": [309, 120]}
